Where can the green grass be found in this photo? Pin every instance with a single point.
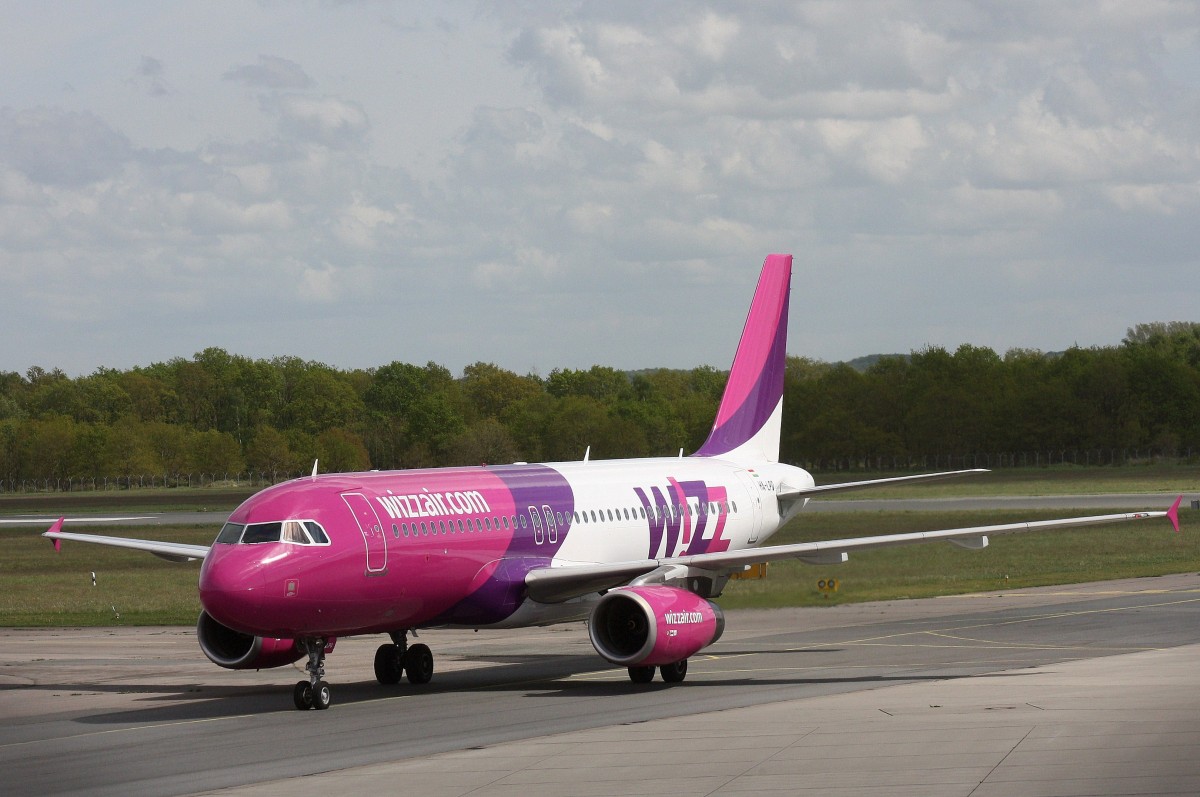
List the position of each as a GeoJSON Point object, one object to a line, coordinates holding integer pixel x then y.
{"type": "Point", "coordinates": [127, 502]}
{"type": "Point", "coordinates": [41, 588]}
{"type": "Point", "coordinates": [1057, 480]}
{"type": "Point", "coordinates": [1128, 550]}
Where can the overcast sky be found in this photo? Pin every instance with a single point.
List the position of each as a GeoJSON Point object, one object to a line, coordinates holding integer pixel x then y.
{"type": "Point", "coordinates": [561, 185]}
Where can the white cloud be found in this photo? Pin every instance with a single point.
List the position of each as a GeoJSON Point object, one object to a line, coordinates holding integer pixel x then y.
{"type": "Point", "coordinates": [292, 161]}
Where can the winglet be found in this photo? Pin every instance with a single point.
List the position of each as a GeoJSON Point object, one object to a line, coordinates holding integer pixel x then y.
{"type": "Point", "coordinates": [53, 530]}
{"type": "Point", "coordinates": [1173, 513]}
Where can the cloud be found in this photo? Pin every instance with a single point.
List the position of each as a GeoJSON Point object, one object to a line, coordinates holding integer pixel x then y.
{"type": "Point", "coordinates": [61, 148]}
{"type": "Point", "coordinates": [271, 72]}
{"type": "Point", "coordinates": [324, 120]}
{"type": "Point", "coordinates": [151, 74]}
{"type": "Point", "coordinates": [590, 165]}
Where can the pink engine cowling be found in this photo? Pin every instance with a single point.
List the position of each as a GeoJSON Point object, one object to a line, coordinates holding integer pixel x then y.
{"type": "Point", "coordinates": [234, 650]}
{"type": "Point", "coordinates": [652, 626]}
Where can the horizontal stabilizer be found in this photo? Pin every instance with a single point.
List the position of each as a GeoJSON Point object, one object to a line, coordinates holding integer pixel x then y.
{"type": "Point", "coordinates": [792, 493]}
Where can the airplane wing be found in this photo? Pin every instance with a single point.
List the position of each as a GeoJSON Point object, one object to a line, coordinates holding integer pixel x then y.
{"type": "Point", "coordinates": [41, 521]}
{"type": "Point", "coordinates": [171, 551]}
{"type": "Point", "coordinates": [787, 493]}
{"type": "Point", "coordinates": [556, 584]}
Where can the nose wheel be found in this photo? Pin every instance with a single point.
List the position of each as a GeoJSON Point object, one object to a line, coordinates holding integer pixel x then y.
{"type": "Point", "coordinates": [307, 695]}
{"type": "Point", "coordinates": [313, 693]}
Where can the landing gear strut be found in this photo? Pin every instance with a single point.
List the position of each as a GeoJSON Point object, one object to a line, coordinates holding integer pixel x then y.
{"type": "Point", "coordinates": [313, 693]}
{"type": "Point", "coordinates": [398, 658]}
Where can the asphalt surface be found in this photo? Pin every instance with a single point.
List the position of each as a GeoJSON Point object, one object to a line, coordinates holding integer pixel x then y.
{"type": "Point", "coordinates": [140, 711]}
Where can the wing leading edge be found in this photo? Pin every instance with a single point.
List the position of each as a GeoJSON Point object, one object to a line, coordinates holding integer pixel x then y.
{"type": "Point", "coordinates": [556, 584]}
{"type": "Point", "coordinates": [171, 551]}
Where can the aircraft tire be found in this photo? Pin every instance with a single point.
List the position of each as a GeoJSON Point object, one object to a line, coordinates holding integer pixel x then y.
{"type": "Point", "coordinates": [418, 664]}
{"type": "Point", "coordinates": [674, 673]}
{"type": "Point", "coordinates": [302, 695]}
{"type": "Point", "coordinates": [641, 675]}
{"type": "Point", "coordinates": [389, 664]}
{"type": "Point", "coordinates": [322, 696]}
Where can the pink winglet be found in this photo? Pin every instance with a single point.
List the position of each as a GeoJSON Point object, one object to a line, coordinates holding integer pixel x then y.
{"type": "Point", "coordinates": [1173, 513]}
{"type": "Point", "coordinates": [57, 527]}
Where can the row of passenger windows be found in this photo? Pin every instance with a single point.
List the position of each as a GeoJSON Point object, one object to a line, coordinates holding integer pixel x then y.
{"type": "Point", "coordinates": [299, 532]}
{"type": "Point", "coordinates": [507, 522]}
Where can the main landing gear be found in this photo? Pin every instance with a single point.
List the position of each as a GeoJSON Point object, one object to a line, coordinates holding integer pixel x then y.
{"type": "Point", "coordinates": [671, 673]}
{"type": "Point", "coordinates": [396, 659]}
{"type": "Point", "coordinates": [313, 693]}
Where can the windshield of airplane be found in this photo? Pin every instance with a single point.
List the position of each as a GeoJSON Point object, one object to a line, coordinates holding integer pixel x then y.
{"type": "Point", "coordinates": [297, 532]}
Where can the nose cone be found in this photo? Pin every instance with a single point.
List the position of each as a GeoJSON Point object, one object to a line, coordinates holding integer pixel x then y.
{"type": "Point", "coordinates": [231, 586]}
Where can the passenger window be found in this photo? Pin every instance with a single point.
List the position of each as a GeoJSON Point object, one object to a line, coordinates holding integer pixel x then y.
{"type": "Point", "coordinates": [395, 531]}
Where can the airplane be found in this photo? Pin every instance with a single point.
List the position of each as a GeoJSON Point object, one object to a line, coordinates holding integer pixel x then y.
{"type": "Point", "coordinates": [636, 547]}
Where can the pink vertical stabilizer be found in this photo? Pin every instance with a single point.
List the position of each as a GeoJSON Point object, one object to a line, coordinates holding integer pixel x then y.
{"type": "Point", "coordinates": [748, 420]}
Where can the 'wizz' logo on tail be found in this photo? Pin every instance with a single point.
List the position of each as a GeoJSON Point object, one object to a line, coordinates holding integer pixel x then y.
{"type": "Point", "coordinates": [679, 515]}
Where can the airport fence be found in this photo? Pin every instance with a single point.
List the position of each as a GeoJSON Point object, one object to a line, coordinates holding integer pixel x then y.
{"type": "Point", "coordinates": [253, 480]}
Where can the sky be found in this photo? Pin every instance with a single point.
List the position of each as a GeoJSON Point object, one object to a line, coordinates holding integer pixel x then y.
{"type": "Point", "coordinates": [561, 185]}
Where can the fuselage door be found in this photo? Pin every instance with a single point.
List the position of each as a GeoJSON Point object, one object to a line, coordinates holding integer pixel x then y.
{"type": "Point", "coordinates": [551, 525]}
{"type": "Point", "coordinates": [372, 532]}
{"type": "Point", "coordinates": [753, 504]}
{"type": "Point", "coordinates": [539, 536]}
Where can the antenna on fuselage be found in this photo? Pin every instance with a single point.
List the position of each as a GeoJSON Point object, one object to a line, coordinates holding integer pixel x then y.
{"type": "Point", "coordinates": [681, 453]}
{"type": "Point", "coordinates": [587, 454]}
{"type": "Point", "coordinates": [314, 473]}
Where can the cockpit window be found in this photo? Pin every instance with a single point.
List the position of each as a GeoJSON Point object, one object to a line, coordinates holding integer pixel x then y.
{"type": "Point", "coordinates": [297, 532]}
{"type": "Point", "coordinates": [230, 533]}
{"type": "Point", "coordinates": [262, 532]}
{"type": "Point", "coordinates": [316, 532]}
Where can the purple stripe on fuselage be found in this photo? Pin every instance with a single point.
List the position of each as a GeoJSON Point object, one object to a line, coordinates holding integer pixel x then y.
{"type": "Point", "coordinates": [545, 501]}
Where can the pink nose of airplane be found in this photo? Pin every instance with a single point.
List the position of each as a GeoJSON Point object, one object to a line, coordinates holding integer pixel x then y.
{"type": "Point", "coordinates": [231, 585]}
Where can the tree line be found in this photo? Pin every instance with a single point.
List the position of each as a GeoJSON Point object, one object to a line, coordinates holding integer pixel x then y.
{"type": "Point", "coordinates": [223, 413]}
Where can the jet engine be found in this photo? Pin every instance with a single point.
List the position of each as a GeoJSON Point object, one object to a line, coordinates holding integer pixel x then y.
{"type": "Point", "coordinates": [652, 626]}
{"type": "Point", "coordinates": [234, 650]}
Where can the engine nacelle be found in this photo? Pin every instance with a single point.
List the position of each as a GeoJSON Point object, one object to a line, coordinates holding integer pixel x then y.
{"type": "Point", "coordinates": [234, 650]}
{"type": "Point", "coordinates": [651, 626]}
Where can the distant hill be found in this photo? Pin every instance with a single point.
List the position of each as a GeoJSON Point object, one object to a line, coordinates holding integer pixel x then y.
{"type": "Point", "coordinates": [861, 364]}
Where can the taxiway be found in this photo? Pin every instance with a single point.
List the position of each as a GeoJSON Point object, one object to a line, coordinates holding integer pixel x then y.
{"type": "Point", "coordinates": [1087, 689]}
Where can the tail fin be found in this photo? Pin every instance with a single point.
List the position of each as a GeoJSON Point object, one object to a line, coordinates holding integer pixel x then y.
{"type": "Point", "coordinates": [748, 420]}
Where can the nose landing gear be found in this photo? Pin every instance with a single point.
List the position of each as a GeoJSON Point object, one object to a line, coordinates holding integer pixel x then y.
{"type": "Point", "coordinates": [313, 693]}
